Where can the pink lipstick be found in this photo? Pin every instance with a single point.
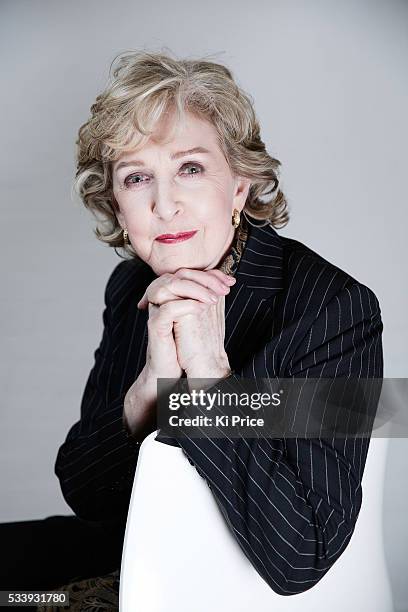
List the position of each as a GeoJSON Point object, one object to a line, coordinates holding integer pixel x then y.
{"type": "Point", "coordinates": [173, 238]}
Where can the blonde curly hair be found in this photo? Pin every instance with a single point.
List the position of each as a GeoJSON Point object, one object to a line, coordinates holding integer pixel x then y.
{"type": "Point", "coordinates": [142, 87]}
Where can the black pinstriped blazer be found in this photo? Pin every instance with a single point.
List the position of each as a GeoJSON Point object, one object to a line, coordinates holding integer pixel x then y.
{"type": "Point", "coordinates": [292, 503]}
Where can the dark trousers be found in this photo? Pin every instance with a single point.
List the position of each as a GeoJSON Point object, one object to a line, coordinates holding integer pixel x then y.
{"type": "Point", "coordinates": [47, 553]}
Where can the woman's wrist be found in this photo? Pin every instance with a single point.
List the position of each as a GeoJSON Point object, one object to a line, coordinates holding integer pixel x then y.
{"type": "Point", "coordinates": [150, 376]}
{"type": "Point", "coordinates": [139, 406]}
{"type": "Point", "coordinates": [218, 369]}
{"type": "Point", "coordinates": [206, 376]}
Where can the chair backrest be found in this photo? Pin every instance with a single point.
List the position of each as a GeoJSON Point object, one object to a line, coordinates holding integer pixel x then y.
{"type": "Point", "coordinates": [180, 555]}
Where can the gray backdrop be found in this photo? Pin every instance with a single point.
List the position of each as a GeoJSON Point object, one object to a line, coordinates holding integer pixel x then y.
{"type": "Point", "coordinates": [329, 81]}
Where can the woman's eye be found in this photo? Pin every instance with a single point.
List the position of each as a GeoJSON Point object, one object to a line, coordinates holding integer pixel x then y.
{"type": "Point", "coordinates": [133, 179]}
{"type": "Point", "coordinates": [192, 165]}
{"type": "Point", "coordinates": [129, 180]}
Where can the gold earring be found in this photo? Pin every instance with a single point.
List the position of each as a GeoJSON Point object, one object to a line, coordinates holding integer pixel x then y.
{"type": "Point", "coordinates": [125, 236]}
{"type": "Point", "coordinates": [235, 218]}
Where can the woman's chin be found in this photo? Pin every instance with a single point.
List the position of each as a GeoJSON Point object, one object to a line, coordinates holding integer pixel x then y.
{"type": "Point", "coordinates": [176, 264]}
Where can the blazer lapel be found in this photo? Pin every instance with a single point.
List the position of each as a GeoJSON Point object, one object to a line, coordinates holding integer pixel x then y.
{"type": "Point", "coordinates": [249, 305]}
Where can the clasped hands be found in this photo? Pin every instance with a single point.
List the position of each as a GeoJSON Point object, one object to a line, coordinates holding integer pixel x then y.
{"type": "Point", "coordinates": [186, 324]}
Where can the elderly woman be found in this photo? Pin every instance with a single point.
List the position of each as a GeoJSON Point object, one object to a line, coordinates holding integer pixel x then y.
{"type": "Point", "coordinates": [172, 164]}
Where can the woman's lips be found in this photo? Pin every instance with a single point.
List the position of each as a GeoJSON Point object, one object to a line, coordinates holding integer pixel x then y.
{"type": "Point", "coordinates": [173, 238]}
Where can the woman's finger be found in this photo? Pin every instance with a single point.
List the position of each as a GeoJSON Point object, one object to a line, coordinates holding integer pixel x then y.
{"type": "Point", "coordinates": [203, 286]}
{"type": "Point", "coordinates": [161, 318]}
{"type": "Point", "coordinates": [214, 279]}
{"type": "Point", "coordinates": [178, 288]}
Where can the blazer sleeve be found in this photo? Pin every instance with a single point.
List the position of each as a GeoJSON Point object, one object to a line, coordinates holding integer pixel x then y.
{"type": "Point", "coordinates": [292, 503]}
{"type": "Point", "coordinates": [96, 463]}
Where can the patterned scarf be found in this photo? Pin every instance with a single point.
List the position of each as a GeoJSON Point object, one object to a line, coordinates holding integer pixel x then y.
{"type": "Point", "coordinates": [230, 261]}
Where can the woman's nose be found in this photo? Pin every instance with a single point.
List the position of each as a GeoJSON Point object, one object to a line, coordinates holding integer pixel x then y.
{"type": "Point", "coordinates": [165, 202]}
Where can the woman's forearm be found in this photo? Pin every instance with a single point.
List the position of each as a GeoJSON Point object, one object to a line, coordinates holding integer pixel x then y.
{"type": "Point", "coordinates": [140, 404]}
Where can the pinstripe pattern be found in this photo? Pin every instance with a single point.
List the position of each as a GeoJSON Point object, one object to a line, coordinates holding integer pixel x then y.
{"type": "Point", "coordinates": [291, 503]}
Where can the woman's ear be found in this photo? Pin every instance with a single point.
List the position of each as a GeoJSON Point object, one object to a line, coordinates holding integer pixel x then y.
{"type": "Point", "coordinates": [118, 214]}
{"type": "Point", "coordinates": [242, 186]}
{"type": "Point", "coordinates": [120, 219]}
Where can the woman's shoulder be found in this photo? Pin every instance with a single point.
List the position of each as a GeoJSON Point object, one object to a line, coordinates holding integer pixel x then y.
{"type": "Point", "coordinates": [308, 280]}
{"type": "Point", "coordinates": [304, 266]}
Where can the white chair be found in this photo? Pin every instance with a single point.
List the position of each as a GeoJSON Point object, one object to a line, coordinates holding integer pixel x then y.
{"type": "Point", "coordinates": [180, 556]}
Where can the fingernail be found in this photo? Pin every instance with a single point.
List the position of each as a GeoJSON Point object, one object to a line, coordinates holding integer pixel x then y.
{"type": "Point", "coordinates": [230, 279]}
{"type": "Point", "coordinates": [214, 298]}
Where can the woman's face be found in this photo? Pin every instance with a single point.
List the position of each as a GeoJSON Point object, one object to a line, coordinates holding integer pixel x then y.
{"type": "Point", "coordinates": [162, 190]}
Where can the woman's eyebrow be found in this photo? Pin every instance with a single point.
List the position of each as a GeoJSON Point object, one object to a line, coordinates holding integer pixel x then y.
{"type": "Point", "coordinates": [140, 162]}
